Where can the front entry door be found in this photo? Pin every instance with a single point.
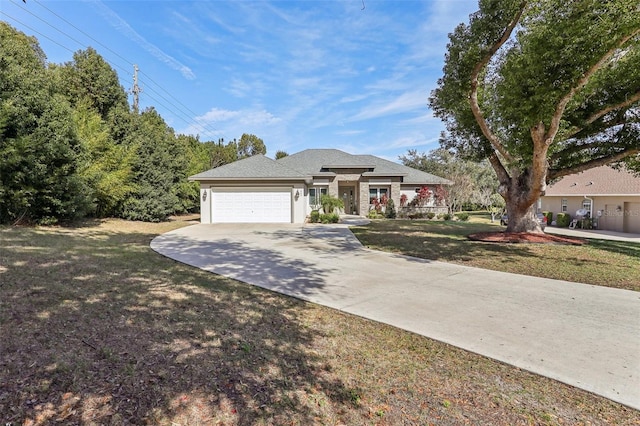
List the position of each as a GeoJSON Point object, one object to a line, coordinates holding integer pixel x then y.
{"type": "Point", "coordinates": [347, 195]}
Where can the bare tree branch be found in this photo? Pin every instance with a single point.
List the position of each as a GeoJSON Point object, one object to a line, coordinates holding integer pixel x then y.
{"type": "Point", "coordinates": [473, 97]}
{"type": "Point", "coordinates": [562, 104]}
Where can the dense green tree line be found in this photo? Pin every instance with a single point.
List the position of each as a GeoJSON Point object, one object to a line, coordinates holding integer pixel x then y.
{"type": "Point", "coordinates": [71, 147]}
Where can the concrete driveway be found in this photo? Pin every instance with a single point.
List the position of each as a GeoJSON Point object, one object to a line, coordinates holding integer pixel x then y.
{"type": "Point", "coordinates": [583, 335]}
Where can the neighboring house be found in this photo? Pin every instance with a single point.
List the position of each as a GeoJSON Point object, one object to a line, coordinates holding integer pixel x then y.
{"type": "Point", "coordinates": [611, 197]}
{"type": "Point", "coordinates": [261, 190]}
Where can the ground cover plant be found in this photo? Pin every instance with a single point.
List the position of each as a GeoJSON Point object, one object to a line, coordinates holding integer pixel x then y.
{"type": "Point", "coordinates": [96, 328]}
{"type": "Point", "coordinates": [600, 262]}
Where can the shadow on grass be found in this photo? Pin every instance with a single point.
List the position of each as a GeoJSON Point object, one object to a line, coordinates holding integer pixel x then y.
{"type": "Point", "coordinates": [97, 328]}
{"type": "Point", "coordinates": [620, 247]}
{"type": "Point", "coordinates": [436, 241]}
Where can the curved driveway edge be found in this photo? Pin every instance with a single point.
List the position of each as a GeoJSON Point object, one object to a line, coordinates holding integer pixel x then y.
{"type": "Point", "coordinates": [583, 335]}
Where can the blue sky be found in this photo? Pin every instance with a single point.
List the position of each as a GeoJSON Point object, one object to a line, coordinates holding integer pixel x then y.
{"type": "Point", "coordinates": [298, 74]}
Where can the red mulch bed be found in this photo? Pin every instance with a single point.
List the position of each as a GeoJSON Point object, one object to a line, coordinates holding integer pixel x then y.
{"type": "Point", "coordinates": [524, 237]}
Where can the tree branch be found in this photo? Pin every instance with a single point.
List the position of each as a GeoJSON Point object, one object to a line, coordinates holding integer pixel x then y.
{"type": "Point", "coordinates": [473, 97]}
{"type": "Point", "coordinates": [572, 149]}
{"type": "Point", "coordinates": [560, 108]}
{"type": "Point", "coordinates": [575, 130]}
{"type": "Point", "coordinates": [555, 174]}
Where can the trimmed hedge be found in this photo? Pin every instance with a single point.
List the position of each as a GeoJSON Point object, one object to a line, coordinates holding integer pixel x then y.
{"type": "Point", "coordinates": [463, 216]}
{"type": "Point", "coordinates": [549, 216]}
{"type": "Point", "coordinates": [329, 218]}
{"type": "Point", "coordinates": [563, 220]}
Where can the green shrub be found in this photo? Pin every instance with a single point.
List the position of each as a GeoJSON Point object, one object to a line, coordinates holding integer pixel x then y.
{"type": "Point", "coordinates": [330, 203]}
{"type": "Point", "coordinates": [329, 218]}
{"type": "Point", "coordinates": [373, 214]}
{"type": "Point", "coordinates": [563, 220]}
{"type": "Point", "coordinates": [549, 216]}
{"type": "Point", "coordinates": [463, 216]}
{"type": "Point", "coordinates": [314, 217]}
{"type": "Point", "coordinates": [390, 211]}
{"type": "Point", "coordinates": [431, 215]}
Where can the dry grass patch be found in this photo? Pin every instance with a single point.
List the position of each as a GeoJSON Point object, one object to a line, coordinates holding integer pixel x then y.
{"type": "Point", "coordinates": [96, 328]}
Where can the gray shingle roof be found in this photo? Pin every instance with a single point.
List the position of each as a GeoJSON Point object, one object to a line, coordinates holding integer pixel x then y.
{"type": "Point", "coordinates": [411, 175]}
{"type": "Point", "coordinates": [312, 161]}
{"type": "Point", "coordinates": [251, 168]}
{"type": "Point", "coordinates": [315, 162]}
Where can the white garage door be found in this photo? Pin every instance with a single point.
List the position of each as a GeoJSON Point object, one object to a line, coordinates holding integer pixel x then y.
{"type": "Point", "coordinates": [233, 205]}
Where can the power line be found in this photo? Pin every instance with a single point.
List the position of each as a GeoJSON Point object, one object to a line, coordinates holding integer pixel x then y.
{"type": "Point", "coordinates": [180, 115]}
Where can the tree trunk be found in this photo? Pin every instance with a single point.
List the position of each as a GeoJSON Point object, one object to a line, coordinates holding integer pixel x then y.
{"type": "Point", "coordinates": [522, 217]}
{"type": "Point", "coordinates": [521, 197]}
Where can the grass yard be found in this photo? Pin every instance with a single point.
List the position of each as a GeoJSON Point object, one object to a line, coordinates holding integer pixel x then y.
{"type": "Point", "coordinates": [96, 328]}
{"type": "Point", "coordinates": [600, 262]}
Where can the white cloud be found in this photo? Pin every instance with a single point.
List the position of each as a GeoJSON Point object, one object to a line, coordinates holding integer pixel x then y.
{"type": "Point", "coordinates": [231, 124]}
{"type": "Point", "coordinates": [350, 132]}
{"type": "Point", "coordinates": [406, 102]}
{"type": "Point", "coordinates": [124, 28]}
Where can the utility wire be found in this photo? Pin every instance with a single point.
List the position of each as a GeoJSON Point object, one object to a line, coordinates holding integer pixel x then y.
{"type": "Point", "coordinates": [180, 115]}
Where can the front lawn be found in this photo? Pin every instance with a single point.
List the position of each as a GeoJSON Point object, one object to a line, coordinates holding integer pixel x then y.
{"type": "Point", "coordinates": [96, 328]}
{"type": "Point", "coordinates": [600, 262]}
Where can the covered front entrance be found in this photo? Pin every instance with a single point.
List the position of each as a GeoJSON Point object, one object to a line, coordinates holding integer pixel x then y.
{"type": "Point", "coordinates": [348, 195]}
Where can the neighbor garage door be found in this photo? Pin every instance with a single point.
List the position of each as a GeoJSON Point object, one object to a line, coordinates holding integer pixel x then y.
{"type": "Point", "coordinates": [268, 205]}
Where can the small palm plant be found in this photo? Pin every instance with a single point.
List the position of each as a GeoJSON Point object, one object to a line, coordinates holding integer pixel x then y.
{"type": "Point", "coordinates": [330, 203]}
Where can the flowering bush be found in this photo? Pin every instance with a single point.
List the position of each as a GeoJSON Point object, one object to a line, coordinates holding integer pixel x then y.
{"type": "Point", "coordinates": [422, 196]}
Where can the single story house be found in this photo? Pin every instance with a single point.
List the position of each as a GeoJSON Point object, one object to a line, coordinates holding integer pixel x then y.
{"type": "Point", "coordinates": [610, 197]}
{"type": "Point", "coordinates": [258, 189]}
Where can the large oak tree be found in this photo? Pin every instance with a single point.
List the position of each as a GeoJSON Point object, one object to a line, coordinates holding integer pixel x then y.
{"type": "Point", "coordinates": [542, 89]}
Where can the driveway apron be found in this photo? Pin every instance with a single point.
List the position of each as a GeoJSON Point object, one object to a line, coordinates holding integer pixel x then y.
{"type": "Point", "coordinates": [583, 335]}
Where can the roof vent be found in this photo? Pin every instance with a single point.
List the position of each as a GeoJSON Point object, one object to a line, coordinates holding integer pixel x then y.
{"type": "Point", "coordinates": [573, 184]}
{"type": "Point", "coordinates": [589, 183]}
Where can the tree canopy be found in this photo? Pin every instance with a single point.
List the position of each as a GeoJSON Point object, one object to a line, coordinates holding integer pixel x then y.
{"type": "Point", "coordinates": [71, 146]}
{"type": "Point", "coordinates": [542, 89]}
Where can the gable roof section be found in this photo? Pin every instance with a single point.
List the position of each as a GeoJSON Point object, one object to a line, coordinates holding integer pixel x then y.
{"type": "Point", "coordinates": [411, 176]}
{"type": "Point", "coordinates": [598, 181]}
{"type": "Point", "coordinates": [251, 168]}
{"type": "Point", "coordinates": [316, 161]}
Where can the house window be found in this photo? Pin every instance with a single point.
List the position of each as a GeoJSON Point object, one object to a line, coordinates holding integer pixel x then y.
{"type": "Point", "coordinates": [377, 193]}
{"type": "Point", "coordinates": [315, 195]}
{"type": "Point", "coordinates": [586, 204]}
{"type": "Point", "coordinates": [563, 205]}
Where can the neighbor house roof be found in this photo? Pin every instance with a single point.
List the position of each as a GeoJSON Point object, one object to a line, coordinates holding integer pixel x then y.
{"type": "Point", "coordinates": [315, 162]}
{"type": "Point", "coordinates": [598, 181]}
{"type": "Point", "coordinates": [251, 168]}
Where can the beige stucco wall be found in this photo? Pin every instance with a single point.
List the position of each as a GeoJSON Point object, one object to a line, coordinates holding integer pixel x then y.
{"type": "Point", "coordinates": [613, 213]}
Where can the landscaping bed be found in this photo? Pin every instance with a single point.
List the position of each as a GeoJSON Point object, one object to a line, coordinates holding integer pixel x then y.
{"type": "Point", "coordinates": [524, 237]}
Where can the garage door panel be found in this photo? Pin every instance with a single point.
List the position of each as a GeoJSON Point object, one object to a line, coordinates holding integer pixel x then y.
{"type": "Point", "coordinates": [632, 218]}
{"type": "Point", "coordinates": [251, 206]}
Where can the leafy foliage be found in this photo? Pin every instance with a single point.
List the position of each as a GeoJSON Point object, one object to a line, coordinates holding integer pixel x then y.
{"type": "Point", "coordinates": [473, 181]}
{"type": "Point", "coordinates": [563, 219]}
{"type": "Point", "coordinates": [542, 89]}
{"type": "Point", "coordinates": [70, 146]}
{"type": "Point", "coordinates": [330, 203]}
{"type": "Point", "coordinates": [281, 154]}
